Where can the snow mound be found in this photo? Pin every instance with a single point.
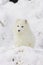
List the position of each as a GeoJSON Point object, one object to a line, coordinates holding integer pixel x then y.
{"type": "Point", "coordinates": [21, 56]}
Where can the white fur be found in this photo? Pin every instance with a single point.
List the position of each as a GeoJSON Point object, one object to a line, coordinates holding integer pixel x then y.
{"type": "Point", "coordinates": [25, 36]}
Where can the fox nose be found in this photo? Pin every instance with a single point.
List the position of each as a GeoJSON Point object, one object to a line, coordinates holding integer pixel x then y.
{"type": "Point", "coordinates": [18, 30]}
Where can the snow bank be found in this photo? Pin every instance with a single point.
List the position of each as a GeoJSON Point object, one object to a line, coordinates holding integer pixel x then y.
{"type": "Point", "coordinates": [21, 55]}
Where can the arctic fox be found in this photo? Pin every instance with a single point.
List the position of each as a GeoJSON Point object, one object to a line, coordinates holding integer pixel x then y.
{"type": "Point", "coordinates": [23, 34]}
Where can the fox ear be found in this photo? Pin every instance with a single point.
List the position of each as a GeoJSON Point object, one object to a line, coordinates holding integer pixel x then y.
{"type": "Point", "coordinates": [25, 21]}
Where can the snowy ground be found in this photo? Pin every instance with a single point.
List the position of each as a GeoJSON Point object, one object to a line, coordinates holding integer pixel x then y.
{"type": "Point", "coordinates": [31, 10]}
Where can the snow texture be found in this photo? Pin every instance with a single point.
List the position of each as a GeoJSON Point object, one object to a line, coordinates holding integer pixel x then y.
{"type": "Point", "coordinates": [31, 10]}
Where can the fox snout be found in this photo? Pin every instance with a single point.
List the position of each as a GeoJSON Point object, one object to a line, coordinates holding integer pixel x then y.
{"type": "Point", "coordinates": [18, 30]}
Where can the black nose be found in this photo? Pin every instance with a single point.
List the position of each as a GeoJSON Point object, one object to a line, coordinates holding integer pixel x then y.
{"type": "Point", "coordinates": [18, 30]}
{"type": "Point", "coordinates": [14, 1]}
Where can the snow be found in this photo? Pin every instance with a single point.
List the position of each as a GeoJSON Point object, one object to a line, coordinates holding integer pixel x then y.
{"type": "Point", "coordinates": [32, 10]}
{"type": "Point", "coordinates": [21, 55]}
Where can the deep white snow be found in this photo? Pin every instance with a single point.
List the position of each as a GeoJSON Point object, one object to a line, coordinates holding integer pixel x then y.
{"type": "Point", "coordinates": [32, 10]}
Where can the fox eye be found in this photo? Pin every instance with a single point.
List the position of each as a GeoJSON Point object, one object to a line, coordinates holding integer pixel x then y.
{"type": "Point", "coordinates": [17, 25]}
{"type": "Point", "coordinates": [22, 26]}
